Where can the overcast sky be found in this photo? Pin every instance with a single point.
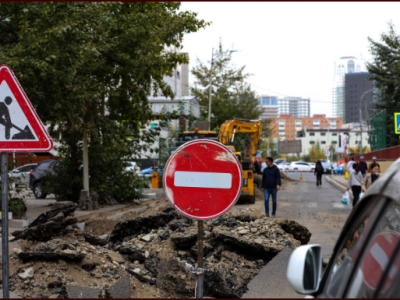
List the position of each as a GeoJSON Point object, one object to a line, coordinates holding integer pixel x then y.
{"type": "Point", "coordinates": [290, 47]}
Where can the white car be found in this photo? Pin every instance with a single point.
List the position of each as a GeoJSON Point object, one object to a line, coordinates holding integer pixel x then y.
{"type": "Point", "coordinates": [301, 166]}
{"type": "Point", "coordinates": [132, 166]}
{"type": "Point", "coordinates": [20, 175]}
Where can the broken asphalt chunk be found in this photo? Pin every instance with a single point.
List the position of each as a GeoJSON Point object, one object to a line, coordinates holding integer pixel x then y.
{"type": "Point", "coordinates": [135, 227]}
{"type": "Point", "coordinates": [120, 290]}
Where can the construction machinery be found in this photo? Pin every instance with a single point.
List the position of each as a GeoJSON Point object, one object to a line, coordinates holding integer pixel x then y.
{"type": "Point", "coordinates": [226, 136]}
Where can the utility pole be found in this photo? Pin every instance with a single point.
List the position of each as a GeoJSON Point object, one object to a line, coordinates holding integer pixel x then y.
{"type": "Point", "coordinates": [361, 138]}
{"type": "Point", "coordinates": [210, 90]}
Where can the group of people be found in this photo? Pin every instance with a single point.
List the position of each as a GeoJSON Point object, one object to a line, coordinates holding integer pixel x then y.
{"type": "Point", "coordinates": [361, 176]}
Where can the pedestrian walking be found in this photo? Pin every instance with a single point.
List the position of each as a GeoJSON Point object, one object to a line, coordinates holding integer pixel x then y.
{"type": "Point", "coordinates": [355, 182]}
{"type": "Point", "coordinates": [362, 166]}
{"type": "Point", "coordinates": [370, 178]}
{"type": "Point", "coordinates": [350, 165]}
{"type": "Point", "coordinates": [373, 163]}
{"type": "Point", "coordinates": [271, 183]}
{"type": "Point", "coordinates": [319, 170]}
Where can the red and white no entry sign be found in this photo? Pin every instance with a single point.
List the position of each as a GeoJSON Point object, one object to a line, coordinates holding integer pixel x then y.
{"type": "Point", "coordinates": [203, 179]}
{"type": "Point", "coordinates": [377, 257]}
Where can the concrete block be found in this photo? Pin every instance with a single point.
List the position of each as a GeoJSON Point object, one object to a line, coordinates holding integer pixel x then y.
{"type": "Point", "coordinates": [12, 295]}
{"type": "Point", "coordinates": [79, 292]}
{"type": "Point", "coordinates": [14, 223]}
{"type": "Point", "coordinates": [59, 204]}
{"type": "Point", "coordinates": [120, 290]}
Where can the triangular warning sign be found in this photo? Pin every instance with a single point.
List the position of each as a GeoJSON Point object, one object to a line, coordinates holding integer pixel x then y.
{"type": "Point", "coordinates": [20, 127]}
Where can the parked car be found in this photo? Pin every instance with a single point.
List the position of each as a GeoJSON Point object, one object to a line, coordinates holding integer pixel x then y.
{"type": "Point", "coordinates": [338, 169]}
{"type": "Point", "coordinates": [37, 178]}
{"type": "Point", "coordinates": [327, 167]}
{"type": "Point", "coordinates": [132, 166]}
{"type": "Point", "coordinates": [20, 175]}
{"type": "Point", "coordinates": [366, 258]}
{"type": "Point", "coordinates": [148, 171]}
{"type": "Point", "coordinates": [301, 166]}
{"type": "Point", "coordinates": [280, 161]}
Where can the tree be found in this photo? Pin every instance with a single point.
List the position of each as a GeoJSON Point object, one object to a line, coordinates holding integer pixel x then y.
{"type": "Point", "coordinates": [385, 72]}
{"type": "Point", "coordinates": [231, 95]}
{"type": "Point", "coordinates": [316, 152]}
{"type": "Point", "coordinates": [86, 66]}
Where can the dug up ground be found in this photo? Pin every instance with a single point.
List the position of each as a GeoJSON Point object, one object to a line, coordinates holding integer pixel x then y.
{"type": "Point", "coordinates": [145, 255]}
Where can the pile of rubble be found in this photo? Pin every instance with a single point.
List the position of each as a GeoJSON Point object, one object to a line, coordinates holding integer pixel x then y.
{"type": "Point", "coordinates": [146, 254]}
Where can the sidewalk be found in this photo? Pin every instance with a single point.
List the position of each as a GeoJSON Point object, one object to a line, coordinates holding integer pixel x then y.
{"type": "Point", "coordinates": [340, 183]}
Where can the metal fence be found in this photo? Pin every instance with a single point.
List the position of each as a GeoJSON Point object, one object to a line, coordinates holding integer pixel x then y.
{"type": "Point", "coordinates": [382, 134]}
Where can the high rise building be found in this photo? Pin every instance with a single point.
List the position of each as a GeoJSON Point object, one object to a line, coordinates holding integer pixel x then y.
{"type": "Point", "coordinates": [269, 106]}
{"type": "Point", "coordinates": [356, 85]}
{"type": "Point", "coordinates": [295, 106]}
{"type": "Point", "coordinates": [344, 65]}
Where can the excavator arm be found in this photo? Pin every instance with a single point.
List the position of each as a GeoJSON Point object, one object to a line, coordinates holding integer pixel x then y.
{"type": "Point", "coordinates": [229, 128]}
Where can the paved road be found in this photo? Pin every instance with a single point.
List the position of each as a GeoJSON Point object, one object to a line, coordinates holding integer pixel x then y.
{"type": "Point", "coordinates": [320, 210]}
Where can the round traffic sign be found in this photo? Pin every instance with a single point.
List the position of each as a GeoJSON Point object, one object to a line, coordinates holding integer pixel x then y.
{"type": "Point", "coordinates": [203, 179]}
{"type": "Point", "coordinates": [377, 257]}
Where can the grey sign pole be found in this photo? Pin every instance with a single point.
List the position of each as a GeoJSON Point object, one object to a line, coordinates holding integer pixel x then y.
{"type": "Point", "coordinates": [200, 276]}
{"type": "Point", "coordinates": [4, 222]}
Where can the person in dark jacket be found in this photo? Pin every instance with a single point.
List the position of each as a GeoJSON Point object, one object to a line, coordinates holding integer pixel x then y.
{"type": "Point", "coordinates": [362, 166]}
{"type": "Point", "coordinates": [271, 183]}
{"type": "Point", "coordinates": [319, 170]}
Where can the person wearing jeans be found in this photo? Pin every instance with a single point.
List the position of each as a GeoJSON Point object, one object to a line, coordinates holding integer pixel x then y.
{"type": "Point", "coordinates": [271, 183]}
{"type": "Point", "coordinates": [354, 182]}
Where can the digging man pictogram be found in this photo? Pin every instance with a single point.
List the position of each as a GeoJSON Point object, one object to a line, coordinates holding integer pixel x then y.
{"type": "Point", "coordinates": [24, 134]}
{"type": "Point", "coordinates": [5, 116]}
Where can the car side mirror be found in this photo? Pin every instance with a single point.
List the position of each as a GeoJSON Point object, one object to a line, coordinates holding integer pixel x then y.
{"type": "Point", "coordinates": [304, 269]}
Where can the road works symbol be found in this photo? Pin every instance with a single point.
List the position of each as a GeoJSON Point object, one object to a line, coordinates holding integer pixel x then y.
{"type": "Point", "coordinates": [20, 127]}
{"type": "Point", "coordinates": [203, 179]}
{"type": "Point", "coordinates": [377, 257]}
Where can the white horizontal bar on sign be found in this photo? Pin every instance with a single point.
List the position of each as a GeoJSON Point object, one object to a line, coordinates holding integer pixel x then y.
{"type": "Point", "coordinates": [203, 180]}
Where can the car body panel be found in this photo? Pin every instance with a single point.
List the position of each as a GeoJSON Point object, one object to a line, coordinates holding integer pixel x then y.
{"type": "Point", "coordinates": [20, 175]}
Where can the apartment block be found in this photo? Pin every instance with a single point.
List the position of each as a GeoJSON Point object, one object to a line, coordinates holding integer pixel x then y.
{"type": "Point", "coordinates": [269, 106]}
{"type": "Point", "coordinates": [295, 106]}
{"type": "Point", "coordinates": [285, 127]}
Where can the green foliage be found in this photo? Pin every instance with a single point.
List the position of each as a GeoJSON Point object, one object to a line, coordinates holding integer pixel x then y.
{"type": "Point", "coordinates": [385, 72]}
{"type": "Point", "coordinates": [316, 152]}
{"type": "Point", "coordinates": [266, 144]}
{"type": "Point", "coordinates": [232, 97]}
{"type": "Point", "coordinates": [86, 66]}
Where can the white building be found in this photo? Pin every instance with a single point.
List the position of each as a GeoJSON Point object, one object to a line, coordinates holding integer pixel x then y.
{"type": "Point", "coordinates": [325, 137]}
{"type": "Point", "coordinates": [344, 65]}
{"type": "Point", "coordinates": [295, 106]}
{"type": "Point", "coordinates": [269, 106]}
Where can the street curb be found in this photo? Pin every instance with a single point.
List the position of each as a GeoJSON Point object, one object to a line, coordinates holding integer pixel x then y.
{"type": "Point", "coordinates": [339, 186]}
{"type": "Point", "coordinates": [336, 184]}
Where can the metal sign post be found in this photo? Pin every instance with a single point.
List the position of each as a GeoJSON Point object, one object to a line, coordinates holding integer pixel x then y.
{"type": "Point", "coordinates": [4, 222]}
{"type": "Point", "coordinates": [200, 263]}
{"type": "Point", "coordinates": [23, 132]}
{"type": "Point", "coordinates": [202, 180]}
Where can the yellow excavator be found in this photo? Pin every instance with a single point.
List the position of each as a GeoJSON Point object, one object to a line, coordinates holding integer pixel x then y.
{"type": "Point", "coordinates": [226, 136]}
